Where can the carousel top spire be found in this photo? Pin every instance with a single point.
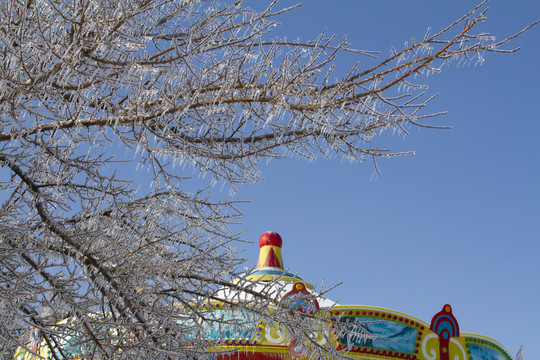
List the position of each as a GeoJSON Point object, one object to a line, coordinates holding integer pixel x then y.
{"type": "Point", "coordinates": [270, 250]}
{"type": "Point", "coordinates": [270, 264]}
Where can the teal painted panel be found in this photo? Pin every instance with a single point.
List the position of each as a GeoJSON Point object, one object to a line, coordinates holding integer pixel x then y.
{"type": "Point", "coordinates": [389, 335]}
{"type": "Point", "coordinates": [481, 352]}
{"type": "Point", "coordinates": [228, 324]}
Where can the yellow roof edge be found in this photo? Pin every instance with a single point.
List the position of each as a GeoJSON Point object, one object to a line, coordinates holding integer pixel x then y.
{"type": "Point", "coordinates": [349, 307]}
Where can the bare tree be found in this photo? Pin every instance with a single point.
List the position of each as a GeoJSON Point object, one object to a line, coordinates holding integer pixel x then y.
{"type": "Point", "coordinates": [91, 91]}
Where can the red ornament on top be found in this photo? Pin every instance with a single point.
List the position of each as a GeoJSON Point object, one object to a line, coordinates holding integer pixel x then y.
{"type": "Point", "coordinates": [270, 238]}
{"type": "Point", "coordinates": [270, 253]}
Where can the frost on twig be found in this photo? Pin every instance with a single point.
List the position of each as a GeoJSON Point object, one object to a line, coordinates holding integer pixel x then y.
{"type": "Point", "coordinates": [92, 91]}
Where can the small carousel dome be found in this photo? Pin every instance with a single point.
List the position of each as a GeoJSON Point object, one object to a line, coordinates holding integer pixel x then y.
{"type": "Point", "coordinates": [270, 264]}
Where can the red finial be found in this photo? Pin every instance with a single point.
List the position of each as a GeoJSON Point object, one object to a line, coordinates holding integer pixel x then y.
{"type": "Point", "coordinates": [270, 238]}
{"type": "Point", "coordinates": [270, 253]}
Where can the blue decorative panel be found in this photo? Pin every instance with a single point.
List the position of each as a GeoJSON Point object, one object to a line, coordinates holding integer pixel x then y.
{"type": "Point", "coordinates": [481, 352]}
{"type": "Point", "coordinates": [229, 324]}
{"type": "Point", "coordinates": [390, 335]}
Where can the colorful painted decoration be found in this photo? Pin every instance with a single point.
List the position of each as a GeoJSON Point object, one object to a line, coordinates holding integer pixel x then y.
{"type": "Point", "coordinates": [446, 326]}
{"type": "Point", "coordinates": [301, 300]}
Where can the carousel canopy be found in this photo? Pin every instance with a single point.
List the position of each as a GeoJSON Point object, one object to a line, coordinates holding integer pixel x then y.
{"type": "Point", "coordinates": [321, 328]}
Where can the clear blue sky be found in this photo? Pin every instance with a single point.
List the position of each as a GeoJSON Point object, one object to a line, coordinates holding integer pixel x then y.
{"type": "Point", "coordinates": [457, 223]}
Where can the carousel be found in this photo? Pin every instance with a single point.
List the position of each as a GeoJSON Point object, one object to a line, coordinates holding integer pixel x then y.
{"type": "Point", "coordinates": [389, 334]}
{"type": "Point", "coordinates": [385, 333]}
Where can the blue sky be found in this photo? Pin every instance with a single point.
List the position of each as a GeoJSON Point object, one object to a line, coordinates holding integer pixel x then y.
{"type": "Point", "coordinates": [456, 223]}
